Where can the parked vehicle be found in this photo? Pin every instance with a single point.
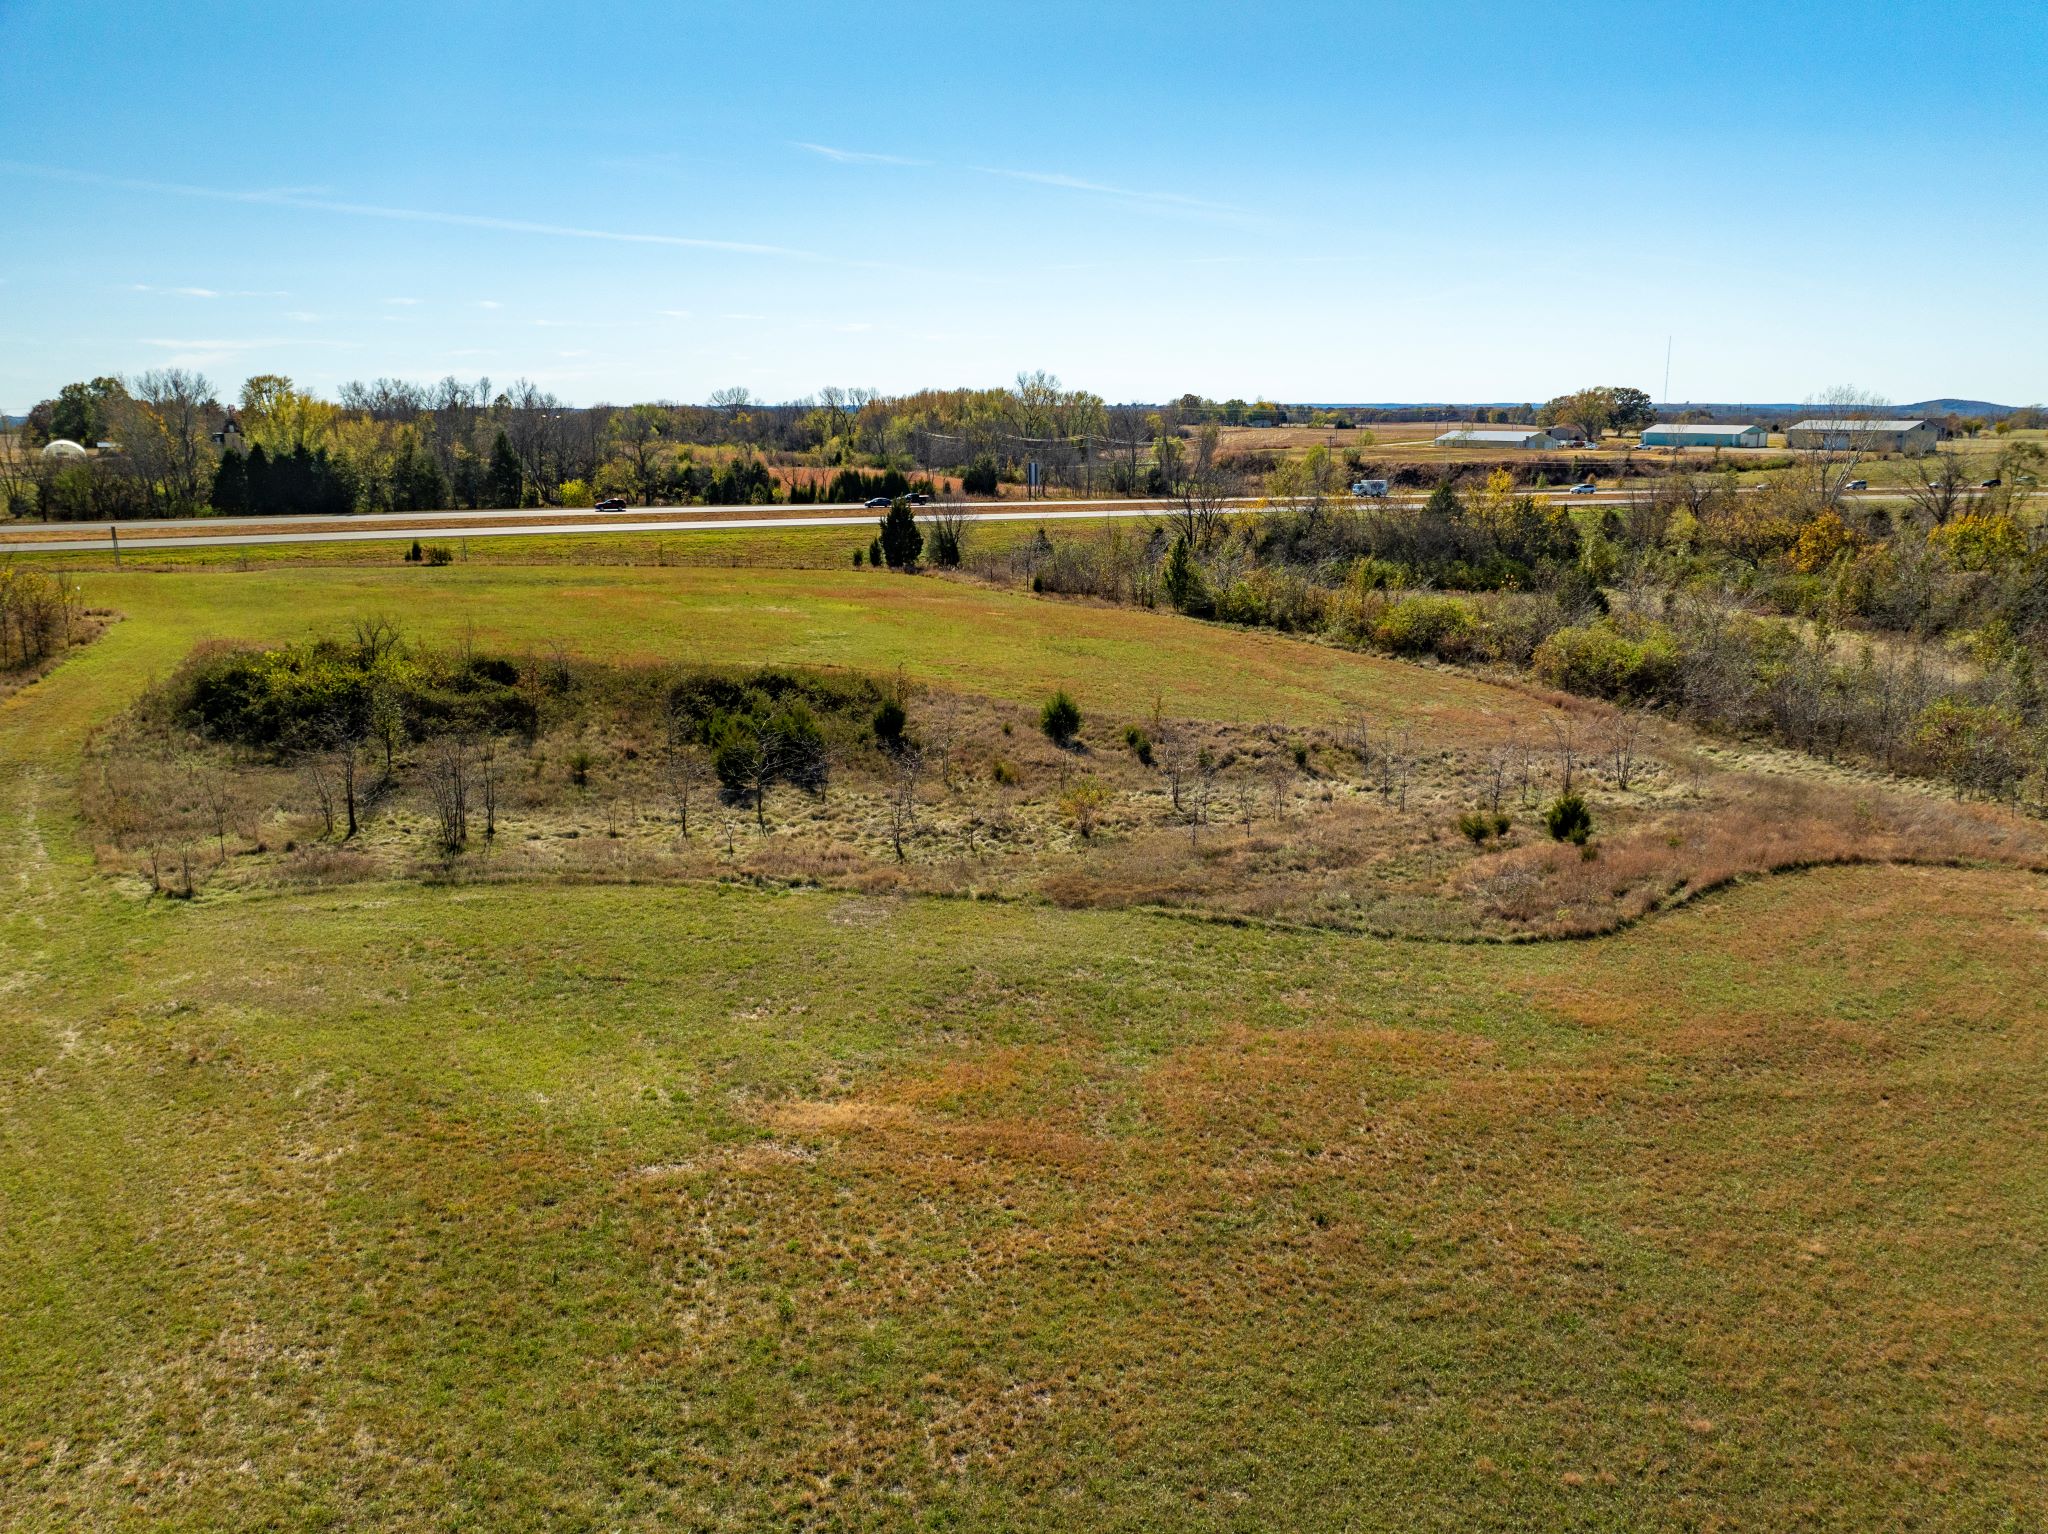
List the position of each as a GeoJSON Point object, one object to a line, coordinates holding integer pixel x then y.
{"type": "Point", "coordinates": [1376, 488]}
{"type": "Point", "coordinates": [611, 503]}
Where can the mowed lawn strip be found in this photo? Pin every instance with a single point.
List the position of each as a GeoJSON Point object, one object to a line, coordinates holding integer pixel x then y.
{"type": "Point", "coordinates": [1115, 660]}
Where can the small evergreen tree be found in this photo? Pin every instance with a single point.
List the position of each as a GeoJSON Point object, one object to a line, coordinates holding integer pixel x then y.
{"type": "Point", "coordinates": [1568, 819]}
{"type": "Point", "coordinates": [1182, 581]}
{"type": "Point", "coordinates": [980, 477]}
{"type": "Point", "coordinates": [901, 540]}
{"type": "Point", "coordinates": [1060, 718]}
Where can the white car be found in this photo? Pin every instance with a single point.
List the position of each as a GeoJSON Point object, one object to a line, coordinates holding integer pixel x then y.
{"type": "Point", "coordinates": [1376, 488]}
{"type": "Point", "coordinates": [1585, 487]}
{"type": "Point", "coordinates": [1856, 484]}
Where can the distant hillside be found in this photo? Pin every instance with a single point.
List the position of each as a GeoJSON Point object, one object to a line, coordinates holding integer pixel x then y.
{"type": "Point", "coordinates": [1712, 410]}
{"type": "Point", "coordinates": [1786, 410]}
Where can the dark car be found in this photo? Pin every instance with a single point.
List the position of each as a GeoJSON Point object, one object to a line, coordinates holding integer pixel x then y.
{"type": "Point", "coordinates": [1990, 484]}
{"type": "Point", "coordinates": [611, 503]}
{"type": "Point", "coordinates": [878, 502]}
{"type": "Point", "coordinates": [918, 498]}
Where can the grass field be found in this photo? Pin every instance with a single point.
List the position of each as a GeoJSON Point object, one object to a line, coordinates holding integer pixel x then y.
{"type": "Point", "coordinates": [547, 1205]}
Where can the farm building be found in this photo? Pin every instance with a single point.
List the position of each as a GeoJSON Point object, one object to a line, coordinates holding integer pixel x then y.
{"type": "Point", "coordinates": [1500, 436]}
{"type": "Point", "coordinates": [1850, 434]}
{"type": "Point", "coordinates": [1705, 436]}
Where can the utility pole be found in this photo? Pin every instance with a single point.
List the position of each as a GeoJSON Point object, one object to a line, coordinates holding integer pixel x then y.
{"type": "Point", "coordinates": [114, 533]}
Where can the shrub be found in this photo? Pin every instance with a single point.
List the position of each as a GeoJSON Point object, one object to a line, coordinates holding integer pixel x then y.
{"type": "Point", "coordinates": [860, 557]}
{"type": "Point", "coordinates": [1060, 719]}
{"type": "Point", "coordinates": [1980, 540]}
{"type": "Point", "coordinates": [439, 554]}
{"type": "Point", "coordinates": [1002, 773]}
{"type": "Point", "coordinates": [1427, 625]}
{"type": "Point", "coordinates": [1082, 804]}
{"type": "Point", "coordinates": [1568, 819]}
{"type": "Point", "coordinates": [1823, 541]}
{"type": "Point", "coordinates": [980, 477]}
{"type": "Point", "coordinates": [580, 763]}
{"type": "Point", "coordinates": [1475, 826]}
{"type": "Point", "coordinates": [1600, 661]}
{"type": "Point", "coordinates": [889, 722]}
{"type": "Point", "coordinates": [1139, 742]}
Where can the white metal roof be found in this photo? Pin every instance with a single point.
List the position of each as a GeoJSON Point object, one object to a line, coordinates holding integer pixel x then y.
{"type": "Point", "coordinates": [1854, 423]}
{"type": "Point", "coordinates": [1703, 428]}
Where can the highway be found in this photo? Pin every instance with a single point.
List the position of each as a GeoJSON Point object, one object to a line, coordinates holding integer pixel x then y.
{"type": "Point", "coordinates": [224, 532]}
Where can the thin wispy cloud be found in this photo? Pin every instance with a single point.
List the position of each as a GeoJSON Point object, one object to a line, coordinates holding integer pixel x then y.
{"type": "Point", "coordinates": [674, 314]}
{"type": "Point", "coordinates": [294, 199]}
{"type": "Point", "coordinates": [150, 287]}
{"type": "Point", "coordinates": [488, 303]}
{"type": "Point", "coordinates": [405, 303]}
{"type": "Point", "coordinates": [855, 156]}
{"type": "Point", "coordinates": [1137, 197]}
{"type": "Point", "coordinates": [1104, 189]}
{"type": "Point", "coordinates": [211, 346]}
{"type": "Point", "coordinates": [201, 352]}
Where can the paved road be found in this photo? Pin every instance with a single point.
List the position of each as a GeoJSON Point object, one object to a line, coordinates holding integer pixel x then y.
{"type": "Point", "coordinates": [219, 532]}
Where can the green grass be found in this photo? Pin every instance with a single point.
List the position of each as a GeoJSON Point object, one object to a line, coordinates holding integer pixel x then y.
{"type": "Point", "coordinates": [560, 1207]}
{"type": "Point", "coordinates": [1005, 643]}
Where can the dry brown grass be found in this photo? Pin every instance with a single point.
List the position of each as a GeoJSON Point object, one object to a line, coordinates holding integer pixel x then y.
{"type": "Point", "coordinates": [1309, 825]}
{"type": "Point", "coordinates": [1752, 826]}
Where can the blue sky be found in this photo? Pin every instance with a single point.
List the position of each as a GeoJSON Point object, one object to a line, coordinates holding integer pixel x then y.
{"type": "Point", "coordinates": [1352, 202]}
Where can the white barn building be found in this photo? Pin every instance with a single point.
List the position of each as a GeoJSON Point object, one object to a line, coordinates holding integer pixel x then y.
{"type": "Point", "coordinates": [1528, 438]}
{"type": "Point", "coordinates": [1709, 435]}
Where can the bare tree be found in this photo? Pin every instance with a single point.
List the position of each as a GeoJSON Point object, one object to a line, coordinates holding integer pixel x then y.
{"type": "Point", "coordinates": [1358, 741]}
{"type": "Point", "coordinates": [448, 785]}
{"type": "Point", "coordinates": [683, 770]}
{"type": "Point", "coordinates": [1202, 484]}
{"type": "Point", "coordinates": [175, 409]}
{"type": "Point", "coordinates": [1844, 437]}
{"type": "Point", "coordinates": [1201, 791]}
{"type": "Point", "coordinates": [376, 637]}
{"type": "Point", "coordinates": [1175, 755]}
{"type": "Point", "coordinates": [317, 768]}
{"type": "Point", "coordinates": [487, 785]}
{"type": "Point", "coordinates": [1500, 765]}
{"type": "Point", "coordinates": [1564, 739]}
{"type": "Point", "coordinates": [907, 767]}
{"type": "Point", "coordinates": [1622, 739]}
{"type": "Point", "coordinates": [1940, 488]}
{"type": "Point", "coordinates": [941, 728]}
{"type": "Point", "coordinates": [217, 793]}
